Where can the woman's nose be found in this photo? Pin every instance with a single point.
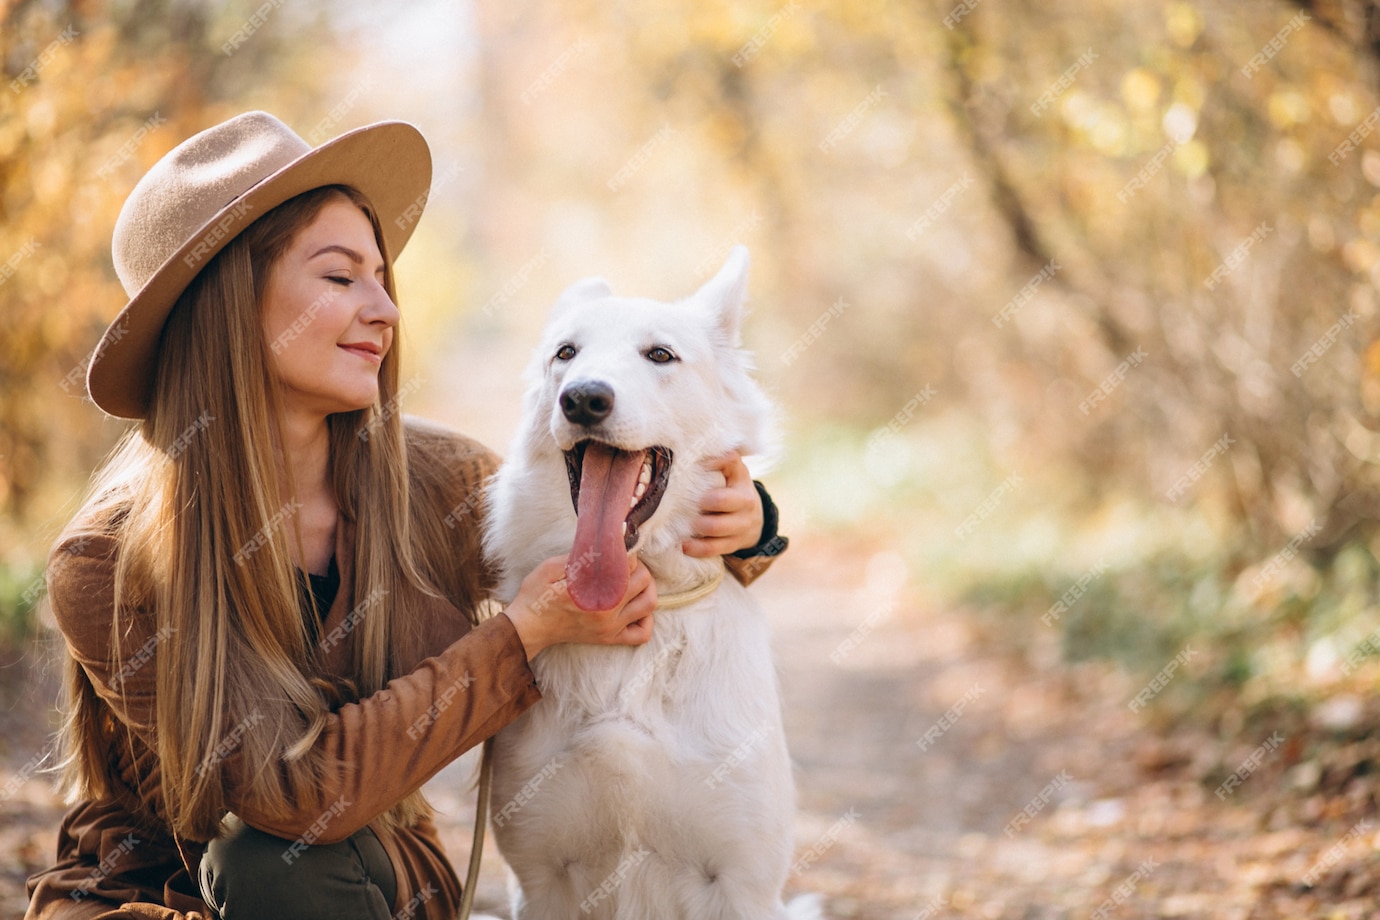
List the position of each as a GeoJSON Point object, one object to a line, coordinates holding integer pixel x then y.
{"type": "Point", "coordinates": [380, 308]}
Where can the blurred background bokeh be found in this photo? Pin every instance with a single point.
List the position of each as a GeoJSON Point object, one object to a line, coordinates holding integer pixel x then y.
{"type": "Point", "coordinates": [1085, 244]}
{"type": "Point", "coordinates": [1069, 305]}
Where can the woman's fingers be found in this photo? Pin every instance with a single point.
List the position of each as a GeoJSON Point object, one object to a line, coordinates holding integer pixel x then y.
{"type": "Point", "coordinates": [545, 615]}
{"type": "Point", "coordinates": [730, 517]}
{"type": "Point", "coordinates": [637, 632]}
{"type": "Point", "coordinates": [639, 605]}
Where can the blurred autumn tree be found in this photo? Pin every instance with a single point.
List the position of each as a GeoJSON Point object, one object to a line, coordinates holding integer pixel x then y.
{"type": "Point", "coordinates": [94, 93]}
{"type": "Point", "coordinates": [1249, 171]}
{"type": "Point", "coordinates": [1036, 120]}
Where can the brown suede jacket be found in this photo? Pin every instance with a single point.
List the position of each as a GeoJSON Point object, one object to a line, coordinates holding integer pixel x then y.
{"type": "Point", "coordinates": [117, 858]}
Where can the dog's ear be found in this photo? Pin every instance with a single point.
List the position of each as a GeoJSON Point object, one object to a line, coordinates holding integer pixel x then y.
{"type": "Point", "coordinates": [724, 294]}
{"type": "Point", "coordinates": [581, 291]}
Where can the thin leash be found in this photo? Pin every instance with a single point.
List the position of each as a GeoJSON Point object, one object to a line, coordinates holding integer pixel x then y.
{"type": "Point", "coordinates": [486, 766]}
{"type": "Point", "coordinates": [481, 822]}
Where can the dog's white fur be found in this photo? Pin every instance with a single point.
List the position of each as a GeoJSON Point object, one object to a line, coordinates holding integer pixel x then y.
{"type": "Point", "coordinates": [650, 782]}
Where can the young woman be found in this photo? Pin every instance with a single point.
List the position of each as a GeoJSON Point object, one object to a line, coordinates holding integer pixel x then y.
{"type": "Point", "coordinates": [271, 599]}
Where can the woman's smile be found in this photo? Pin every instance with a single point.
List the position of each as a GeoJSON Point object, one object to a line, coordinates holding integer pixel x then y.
{"type": "Point", "coordinates": [366, 350]}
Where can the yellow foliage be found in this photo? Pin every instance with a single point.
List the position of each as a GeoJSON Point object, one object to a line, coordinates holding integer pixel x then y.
{"type": "Point", "coordinates": [92, 100]}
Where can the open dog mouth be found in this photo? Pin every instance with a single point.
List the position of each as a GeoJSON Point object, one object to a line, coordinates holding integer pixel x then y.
{"type": "Point", "coordinates": [613, 491]}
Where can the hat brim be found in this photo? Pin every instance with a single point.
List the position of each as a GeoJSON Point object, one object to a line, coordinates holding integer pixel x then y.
{"type": "Point", "coordinates": [389, 163]}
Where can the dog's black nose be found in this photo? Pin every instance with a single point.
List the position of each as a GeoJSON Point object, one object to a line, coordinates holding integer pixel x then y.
{"type": "Point", "coordinates": [587, 403]}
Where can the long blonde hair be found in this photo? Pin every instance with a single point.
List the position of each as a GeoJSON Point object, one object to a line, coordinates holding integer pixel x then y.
{"type": "Point", "coordinates": [193, 496]}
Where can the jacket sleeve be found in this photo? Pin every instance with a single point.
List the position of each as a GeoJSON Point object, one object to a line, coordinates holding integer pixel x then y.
{"type": "Point", "coordinates": [747, 570]}
{"type": "Point", "coordinates": [377, 750]}
{"type": "Point", "coordinates": [388, 744]}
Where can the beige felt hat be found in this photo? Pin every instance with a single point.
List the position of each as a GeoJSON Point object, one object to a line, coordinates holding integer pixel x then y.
{"type": "Point", "coordinates": [204, 193]}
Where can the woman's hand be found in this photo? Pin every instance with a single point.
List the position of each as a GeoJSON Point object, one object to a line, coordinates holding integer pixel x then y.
{"type": "Point", "coordinates": [730, 518]}
{"type": "Point", "coordinates": [544, 615]}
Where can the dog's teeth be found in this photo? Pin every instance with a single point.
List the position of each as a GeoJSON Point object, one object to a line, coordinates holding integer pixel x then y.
{"type": "Point", "coordinates": [644, 479]}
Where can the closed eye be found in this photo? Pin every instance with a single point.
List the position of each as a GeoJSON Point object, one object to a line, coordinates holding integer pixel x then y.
{"type": "Point", "coordinates": [341, 280]}
{"type": "Point", "coordinates": [660, 354]}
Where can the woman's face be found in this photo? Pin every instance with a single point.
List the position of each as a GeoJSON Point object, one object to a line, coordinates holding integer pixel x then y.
{"type": "Point", "coordinates": [327, 317]}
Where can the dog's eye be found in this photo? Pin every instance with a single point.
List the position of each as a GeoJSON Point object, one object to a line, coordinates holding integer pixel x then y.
{"type": "Point", "coordinates": [661, 355]}
{"type": "Point", "coordinates": [565, 352]}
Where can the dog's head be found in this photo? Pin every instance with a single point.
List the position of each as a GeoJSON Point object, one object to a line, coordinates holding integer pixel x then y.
{"type": "Point", "coordinates": [636, 395]}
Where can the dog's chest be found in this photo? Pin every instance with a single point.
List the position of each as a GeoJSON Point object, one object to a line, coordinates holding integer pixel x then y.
{"type": "Point", "coordinates": [597, 683]}
{"type": "Point", "coordinates": [706, 673]}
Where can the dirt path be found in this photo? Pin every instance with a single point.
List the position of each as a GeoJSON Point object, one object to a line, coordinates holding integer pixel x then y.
{"type": "Point", "coordinates": [919, 748]}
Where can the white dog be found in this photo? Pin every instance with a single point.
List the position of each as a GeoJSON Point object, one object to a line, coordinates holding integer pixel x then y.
{"type": "Point", "coordinates": [650, 782]}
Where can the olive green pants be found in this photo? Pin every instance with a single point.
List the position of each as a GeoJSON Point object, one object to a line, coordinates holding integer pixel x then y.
{"type": "Point", "coordinates": [247, 873]}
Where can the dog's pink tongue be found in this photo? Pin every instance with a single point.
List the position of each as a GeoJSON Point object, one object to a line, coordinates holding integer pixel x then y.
{"type": "Point", "coordinates": [597, 572]}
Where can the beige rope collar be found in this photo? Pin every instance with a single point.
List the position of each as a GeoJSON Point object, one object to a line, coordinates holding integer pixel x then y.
{"type": "Point", "coordinates": [690, 595]}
